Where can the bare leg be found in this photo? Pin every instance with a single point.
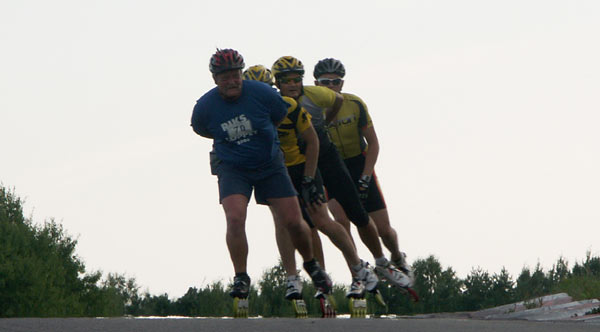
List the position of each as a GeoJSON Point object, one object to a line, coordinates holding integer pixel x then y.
{"type": "Point", "coordinates": [368, 233]}
{"type": "Point", "coordinates": [286, 249]}
{"type": "Point", "coordinates": [370, 237]}
{"type": "Point", "coordinates": [339, 215]}
{"type": "Point", "coordinates": [286, 212]}
{"type": "Point", "coordinates": [235, 207]}
{"type": "Point", "coordinates": [317, 247]}
{"type": "Point", "coordinates": [386, 232]}
{"type": "Point", "coordinates": [336, 233]}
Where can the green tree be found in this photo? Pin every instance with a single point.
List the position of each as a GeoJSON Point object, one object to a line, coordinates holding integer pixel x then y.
{"type": "Point", "coordinates": [272, 287]}
{"type": "Point", "coordinates": [503, 291]}
{"type": "Point", "coordinates": [210, 301]}
{"type": "Point", "coordinates": [439, 289]}
{"type": "Point", "coordinates": [532, 285]}
{"type": "Point", "coordinates": [39, 271]}
{"type": "Point", "coordinates": [40, 274]}
{"type": "Point", "coordinates": [478, 290]}
{"type": "Point", "coordinates": [584, 280]}
{"type": "Point", "coordinates": [559, 272]}
{"type": "Point", "coordinates": [589, 267]}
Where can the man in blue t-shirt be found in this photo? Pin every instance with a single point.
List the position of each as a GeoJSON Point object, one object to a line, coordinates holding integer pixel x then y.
{"type": "Point", "coordinates": [242, 117]}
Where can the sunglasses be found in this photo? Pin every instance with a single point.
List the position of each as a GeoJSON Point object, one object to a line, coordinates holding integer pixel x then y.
{"type": "Point", "coordinates": [328, 81]}
{"type": "Point", "coordinates": [288, 80]}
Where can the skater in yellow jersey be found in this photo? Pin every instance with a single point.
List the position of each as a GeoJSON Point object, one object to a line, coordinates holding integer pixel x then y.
{"type": "Point", "coordinates": [323, 104]}
{"type": "Point", "coordinates": [353, 134]}
{"type": "Point", "coordinates": [302, 168]}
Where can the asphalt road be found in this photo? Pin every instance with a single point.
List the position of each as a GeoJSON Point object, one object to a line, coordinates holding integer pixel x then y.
{"type": "Point", "coordinates": [283, 324]}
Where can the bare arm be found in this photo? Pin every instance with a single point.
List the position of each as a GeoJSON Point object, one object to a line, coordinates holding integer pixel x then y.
{"type": "Point", "coordinates": [332, 112]}
{"type": "Point", "coordinates": [312, 151]}
{"type": "Point", "coordinates": [373, 150]}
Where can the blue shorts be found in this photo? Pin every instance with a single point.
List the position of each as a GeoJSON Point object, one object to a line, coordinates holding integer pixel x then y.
{"type": "Point", "coordinates": [271, 181]}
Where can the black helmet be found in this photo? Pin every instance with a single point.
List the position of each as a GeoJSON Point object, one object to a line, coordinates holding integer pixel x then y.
{"type": "Point", "coordinates": [329, 66]}
{"type": "Point", "coordinates": [224, 60]}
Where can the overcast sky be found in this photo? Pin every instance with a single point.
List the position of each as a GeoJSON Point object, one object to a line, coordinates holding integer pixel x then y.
{"type": "Point", "coordinates": [488, 115]}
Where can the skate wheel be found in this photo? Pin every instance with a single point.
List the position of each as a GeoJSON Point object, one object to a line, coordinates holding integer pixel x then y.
{"type": "Point", "coordinates": [380, 299]}
{"type": "Point", "coordinates": [413, 294]}
{"type": "Point", "coordinates": [300, 308]}
{"type": "Point", "coordinates": [240, 308]}
{"type": "Point", "coordinates": [327, 307]}
{"type": "Point", "coordinates": [358, 308]}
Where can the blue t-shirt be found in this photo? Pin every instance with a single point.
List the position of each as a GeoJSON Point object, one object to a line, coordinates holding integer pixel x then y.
{"type": "Point", "coordinates": [243, 130]}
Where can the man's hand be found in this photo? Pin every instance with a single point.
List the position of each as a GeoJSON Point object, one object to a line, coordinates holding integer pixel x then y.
{"type": "Point", "coordinates": [310, 193]}
{"type": "Point", "coordinates": [363, 187]}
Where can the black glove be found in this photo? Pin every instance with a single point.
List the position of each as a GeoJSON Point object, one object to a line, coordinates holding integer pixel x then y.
{"type": "Point", "coordinates": [310, 193]}
{"type": "Point", "coordinates": [363, 187]}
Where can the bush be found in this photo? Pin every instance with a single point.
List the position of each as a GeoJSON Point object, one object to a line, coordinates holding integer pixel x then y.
{"type": "Point", "coordinates": [40, 274]}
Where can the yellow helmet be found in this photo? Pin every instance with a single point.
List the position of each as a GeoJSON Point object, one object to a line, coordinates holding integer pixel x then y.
{"type": "Point", "coordinates": [258, 73]}
{"type": "Point", "coordinates": [287, 64]}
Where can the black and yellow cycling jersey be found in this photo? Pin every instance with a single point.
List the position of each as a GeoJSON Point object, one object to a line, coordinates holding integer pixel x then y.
{"type": "Point", "coordinates": [336, 178]}
{"type": "Point", "coordinates": [315, 99]}
{"type": "Point", "coordinates": [346, 130]}
{"type": "Point", "coordinates": [290, 129]}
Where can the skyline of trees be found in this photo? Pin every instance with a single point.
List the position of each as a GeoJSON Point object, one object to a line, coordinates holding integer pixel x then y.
{"type": "Point", "coordinates": [42, 276]}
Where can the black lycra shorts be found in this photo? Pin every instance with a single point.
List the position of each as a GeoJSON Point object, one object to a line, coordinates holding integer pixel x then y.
{"type": "Point", "coordinates": [375, 199]}
{"type": "Point", "coordinates": [296, 173]}
{"type": "Point", "coordinates": [339, 185]}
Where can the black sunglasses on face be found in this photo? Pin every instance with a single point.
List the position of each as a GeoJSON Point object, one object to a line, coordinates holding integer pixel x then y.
{"type": "Point", "coordinates": [328, 81]}
{"type": "Point", "coordinates": [288, 80]}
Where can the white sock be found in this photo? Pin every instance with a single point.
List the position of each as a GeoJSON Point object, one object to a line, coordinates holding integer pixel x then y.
{"type": "Point", "coordinates": [381, 261]}
{"type": "Point", "coordinates": [357, 267]}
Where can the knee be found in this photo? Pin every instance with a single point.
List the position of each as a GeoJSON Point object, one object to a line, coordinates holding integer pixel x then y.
{"type": "Point", "coordinates": [343, 221]}
{"type": "Point", "coordinates": [294, 222]}
{"type": "Point", "coordinates": [320, 218]}
{"type": "Point", "coordinates": [368, 226]}
{"type": "Point", "coordinates": [290, 216]}
{"type": "Point", "coordinates": [384, 230]}
{"type": "Point", "coordinates": [235, 220]}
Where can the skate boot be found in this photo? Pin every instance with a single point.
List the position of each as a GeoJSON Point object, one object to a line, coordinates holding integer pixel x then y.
{"type": "Point", "coordinates": [392, 275]}
{"type": "Point", "coordinates": [319, 277]}
{"type": "Point", "coordinates": [403, 265]}
{"type": "Point", "coordinates": [239, 292]}
{"type": "Point", "coordinates": [294, 294]}
{"type": "Point", "coordinates": [370, 280]}
{"type": "Point", "coordinates": [368, 277]}
{"type": "Point", "coordinates": [357, 289]}
{"type": "Point", "coordinates": [294, 288]}
{"type": "Point", "coordinates": [323, 285]}
{"type": "Point", "coordinates": [357, 302]}
{"type": "Point", "coordinates": [397, 278]}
